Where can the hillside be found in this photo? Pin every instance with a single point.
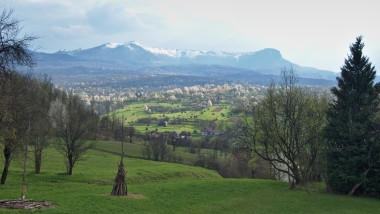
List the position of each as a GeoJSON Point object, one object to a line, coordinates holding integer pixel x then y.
{"type": "Point", "coordinates": [167, 188]}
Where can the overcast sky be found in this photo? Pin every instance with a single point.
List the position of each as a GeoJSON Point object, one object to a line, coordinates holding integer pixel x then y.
{"type": "Point", "coordinates": [314, 33]}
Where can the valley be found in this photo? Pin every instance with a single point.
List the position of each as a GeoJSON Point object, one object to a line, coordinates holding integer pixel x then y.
{"type": "Point", "coordinates": [202, 116]}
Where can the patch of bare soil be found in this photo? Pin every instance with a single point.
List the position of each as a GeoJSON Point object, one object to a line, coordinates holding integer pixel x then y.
{"type": "Point", "coordinates": [217, 109]}
{"type": "Point", "coordinates": [24, 205]}
{"type": "Point", "coordinates": [130, 195]}
{"type": "Point", "coordinates": [233, 119]}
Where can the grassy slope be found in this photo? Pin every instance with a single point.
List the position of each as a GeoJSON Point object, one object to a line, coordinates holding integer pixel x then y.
{"type": "Point", "coordinates": [169, 188]}
{"type": "Point", "coordinates": [134, 150]}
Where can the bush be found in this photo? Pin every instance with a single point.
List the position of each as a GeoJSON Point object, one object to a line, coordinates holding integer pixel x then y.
{"type": "Point", "coordinates": [208, 162]}
{"type": "Point", "coordinates": [155, 148]}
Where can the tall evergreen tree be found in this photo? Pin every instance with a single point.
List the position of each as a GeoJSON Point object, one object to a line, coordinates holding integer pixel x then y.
{"type": "Point", "coordinates": [353, 130]}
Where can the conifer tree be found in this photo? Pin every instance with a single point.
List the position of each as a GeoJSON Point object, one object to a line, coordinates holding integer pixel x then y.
{"type": "Point", "coordinates": [352, 130]}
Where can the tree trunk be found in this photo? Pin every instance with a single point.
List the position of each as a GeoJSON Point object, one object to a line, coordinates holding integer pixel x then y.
{"type": "Point", "coordinates": [7, 156]}
{"type": "Point", "coordinates": [360, 183]}
{"type": "Point", "coordinates": [70, 172]}
{"type": "Point", "coordinates": [37, 160]}
{"type": "Point", "coordinates": [71, 166]}
{"type": "Point", "coordinates": [292, 184]}
{"type": "Point", "coordinates": [25, 166]}
{"type": "Point", "coordinates": [297, 175]}
{"type": "Point", "coordinates": [296, 179]}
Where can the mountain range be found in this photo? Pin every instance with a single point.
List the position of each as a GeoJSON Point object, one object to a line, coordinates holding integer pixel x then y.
{"type": "Point", "coordinates": [132, 57]}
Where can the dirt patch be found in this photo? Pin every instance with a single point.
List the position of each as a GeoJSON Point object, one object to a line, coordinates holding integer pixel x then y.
{"type": "Point", "coordinates": [130, 195]}
{"type": "Point", "coordinates": [233, 119]}
{"type": "Point", "coordinates": [217, 109]}
{"type": "Point", "coordinates": [17, 204]}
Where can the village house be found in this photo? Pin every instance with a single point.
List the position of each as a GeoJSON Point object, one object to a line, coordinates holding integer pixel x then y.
{"type": "Point", "coordinates": [209, 131]}
{"type": "Point", "coordinates": [154, 133]}
{"type": "Point", "coordinates": [163, 123]}
{"type": "Point", "coordinates": [175, 133]}
{"type": "Point", "coordinates": [185, 135]}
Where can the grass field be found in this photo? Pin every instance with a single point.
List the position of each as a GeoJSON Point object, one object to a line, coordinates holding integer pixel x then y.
{"type": "Point", "coordinates": [168, 188]}
{"type": "Point", "coordinates": [134, 150]}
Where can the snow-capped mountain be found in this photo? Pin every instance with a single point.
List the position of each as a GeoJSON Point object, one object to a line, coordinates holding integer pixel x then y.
{"type": "Point", "coordinates": [250, 60]}
{"type": "Point", "coordinates": [173, 53]}
{"type": "Point", "coordinates": [133, 55]}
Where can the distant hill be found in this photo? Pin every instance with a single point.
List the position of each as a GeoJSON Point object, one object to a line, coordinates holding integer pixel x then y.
{"type": "Point", "coordinates": [255, 67]}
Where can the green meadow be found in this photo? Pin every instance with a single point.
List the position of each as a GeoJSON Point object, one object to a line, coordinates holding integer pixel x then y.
{"type": "Point", "coordinates": [167, 188]}
{"type": "Point", "coordinates": [135, 150]}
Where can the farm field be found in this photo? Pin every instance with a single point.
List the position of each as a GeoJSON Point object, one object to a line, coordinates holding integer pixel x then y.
{"type": "Point", "coordinates": [179, 117]}
{"type": "Point", "coordinates": [167, 188]}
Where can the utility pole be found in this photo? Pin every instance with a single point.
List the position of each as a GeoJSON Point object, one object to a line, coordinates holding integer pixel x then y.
{"type": "Point", "coordinates": [25, 163]}
{"type": "Point", "coordinates": [120, 186]}
{"type": "Point", "coordinates": [122, 138]}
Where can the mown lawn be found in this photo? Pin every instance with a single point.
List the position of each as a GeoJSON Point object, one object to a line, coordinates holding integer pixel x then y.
{"type": "Point", "coordinates": [168, 188]}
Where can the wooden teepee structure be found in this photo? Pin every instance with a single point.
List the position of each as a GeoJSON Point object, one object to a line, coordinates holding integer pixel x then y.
{"type": "Point", "coordinates": [120, 186]}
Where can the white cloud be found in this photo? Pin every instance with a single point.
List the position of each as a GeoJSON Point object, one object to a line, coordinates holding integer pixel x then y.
{"type": "Point", "coordinates": [70, 31]}
{"type": "Point", "coordinates": [312, 33]}
{"type": "Point", "coordinates": [110, 18]}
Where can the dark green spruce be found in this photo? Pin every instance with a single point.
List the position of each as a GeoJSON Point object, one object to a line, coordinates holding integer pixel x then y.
{"type": "Point", "coordinates": [353, 129]}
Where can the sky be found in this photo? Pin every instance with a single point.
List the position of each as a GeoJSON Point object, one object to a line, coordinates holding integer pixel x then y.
{"type": "Point", "coordinates": [313, 33]}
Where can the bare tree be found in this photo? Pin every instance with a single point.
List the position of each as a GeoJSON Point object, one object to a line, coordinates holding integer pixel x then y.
{"type": "Point", "coordinates": [156, 147]}
{"type": "Point", "coordinates": [285, 129]}
{"type": "Point", "coordinates": [14, 50]}
{"type": "Point", "coordinates": [73, 125]}
{"type": "Point", "coordinates": [42, 92]}
{"type": "Point", "coordinates": [130, 132]}
{"type": "Point", "coordinates": [12, 116]}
